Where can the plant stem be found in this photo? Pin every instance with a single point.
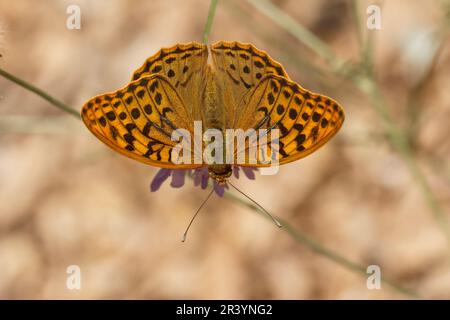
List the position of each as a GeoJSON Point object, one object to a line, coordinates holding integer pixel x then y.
{"type": "Point", "coordinates": [364, 42]}
{"type": "Point", "coordinates": [209, 20]}
{"type": "Point", "coordinates": [357, 20]}
{"type": "Point", "coordinates": [40, 93]}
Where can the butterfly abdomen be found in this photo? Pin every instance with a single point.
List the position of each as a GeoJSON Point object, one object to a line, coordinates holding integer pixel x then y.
{"type": "Point", "coordinates": [220, 172]}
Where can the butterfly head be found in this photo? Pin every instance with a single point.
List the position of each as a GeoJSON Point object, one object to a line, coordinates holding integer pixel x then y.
{"type": "Point", "coordinates": [220, 172]}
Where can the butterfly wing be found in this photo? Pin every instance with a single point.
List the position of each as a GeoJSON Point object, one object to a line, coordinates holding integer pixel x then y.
{"type": "Point", "coordinates": [138, 120]}
{"type": "Point", "coordinates": [184, 67]}
{"type": "Point", "coordinates": [305, 120]}
{"type": "Point", "coordinates": [239, 68]}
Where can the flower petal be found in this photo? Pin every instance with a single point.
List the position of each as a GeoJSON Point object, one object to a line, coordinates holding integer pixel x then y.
{"type": "Point", "coordinates": [178, 178]}
{"type": "Point", "coordinates": [236, 172]}
{"type": "Point", "coordinates": [159, 179]}
{"type": "Point", "coordinates": [249, 172]}
{"type": "Point", "coordinates": [197, 178]}
{"type": "Point", "coordinates": [219, 189]}
{"type": "Point", "coordinates": [201, 177]}
{"type": "Point", "coordinates": [205, 179]}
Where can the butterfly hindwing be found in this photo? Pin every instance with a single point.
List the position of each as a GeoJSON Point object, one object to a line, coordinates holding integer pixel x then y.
{"type": "Point", "coordinates": [305, 120]}
{"type": "Point", "coordinates": [138, 120]}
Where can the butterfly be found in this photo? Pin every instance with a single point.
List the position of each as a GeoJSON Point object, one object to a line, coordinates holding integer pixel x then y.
{"type": "Point", "coordinates": [240, 87]}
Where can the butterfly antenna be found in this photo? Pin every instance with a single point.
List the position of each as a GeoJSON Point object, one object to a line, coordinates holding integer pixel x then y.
{"type": "Point", "coordinates": [195, 215]}
{"type": "Point", "coordinates": [259, 206]}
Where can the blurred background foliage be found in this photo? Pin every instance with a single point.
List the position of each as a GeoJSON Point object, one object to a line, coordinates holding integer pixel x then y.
{"type": "Point", "coordinates": [378, 193]}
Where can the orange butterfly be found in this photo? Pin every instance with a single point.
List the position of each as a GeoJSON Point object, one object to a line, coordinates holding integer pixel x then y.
{"type": "Point", "coordinates": [243, 88]}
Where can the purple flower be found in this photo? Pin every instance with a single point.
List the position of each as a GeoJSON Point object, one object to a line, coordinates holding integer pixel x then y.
{"type": "Point", "coordinates": [219, 189]}
{"type": "Point", "coordinates": [248, 171]}
{"type": "Point", "coordinates": [177, 178]}
{"type": "Point", "coordinates": [200, 176]}
{"type": "Point", "coordinates": [160, 177]}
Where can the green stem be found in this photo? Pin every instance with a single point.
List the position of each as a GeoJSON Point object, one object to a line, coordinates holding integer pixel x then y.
{"type": "Point", "coordinates": [364, 43]}
{"type": "Point", "coordinates": [209, 21]}
{"type": "Point", "coordinates": [40, 93]}
{"type": "Point", "coordinates": [302, 238]}
{"type": "Point", "coordinates": [357, 20]}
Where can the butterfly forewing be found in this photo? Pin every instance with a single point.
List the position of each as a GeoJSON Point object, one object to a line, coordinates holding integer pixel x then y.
{"type": "Point", "coordinates": [139, 119]}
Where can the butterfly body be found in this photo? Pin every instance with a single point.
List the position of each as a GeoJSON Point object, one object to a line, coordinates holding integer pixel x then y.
{"type": "Point", "coordinates": [220, 172]}
{"type": "Point", "coordinates": [242, 88]}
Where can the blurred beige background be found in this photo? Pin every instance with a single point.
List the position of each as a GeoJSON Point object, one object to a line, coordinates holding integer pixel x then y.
{"type": "Point", "coordinates": [66, 199]}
